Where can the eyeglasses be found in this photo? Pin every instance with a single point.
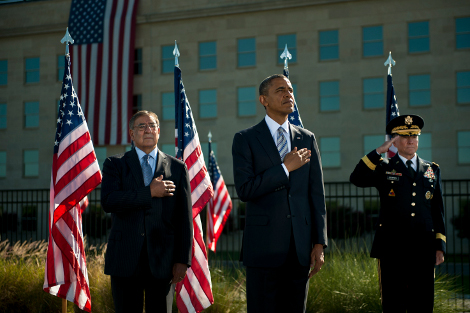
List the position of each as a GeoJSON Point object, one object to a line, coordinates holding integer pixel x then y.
{"type": "Point", "coordinates": [143, 127]}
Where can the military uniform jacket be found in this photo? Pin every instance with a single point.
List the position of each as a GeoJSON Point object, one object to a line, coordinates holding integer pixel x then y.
{"type": "Point", "coordinates": [411, 209]}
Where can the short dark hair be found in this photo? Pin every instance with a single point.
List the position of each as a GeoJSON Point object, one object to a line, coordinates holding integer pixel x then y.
{"type": "Point", "coordinates": [266, 83]}
{"type": "Point", "coordinates": [141, 113]}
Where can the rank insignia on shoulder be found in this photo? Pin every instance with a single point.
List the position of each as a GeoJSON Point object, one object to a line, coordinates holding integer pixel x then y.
{"type": "Point", "coordinates": [429, 173]}
{"type": "Point", "coordinates": [391, 193]}
{"type": "Point", "coordinates": [394, 172]}
{"type": "Point", "coordinates": [428, 195]}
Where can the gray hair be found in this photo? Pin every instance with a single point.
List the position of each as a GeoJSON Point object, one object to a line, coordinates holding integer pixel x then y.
{"type": "Point", "coordinates": [141, 113]}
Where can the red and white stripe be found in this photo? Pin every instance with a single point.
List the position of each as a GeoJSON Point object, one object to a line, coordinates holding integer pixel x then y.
{"type": "Point", "coordinates": [75, 172]}
{"type": "Point", "coordinates": [201, 186]}
{"type": "Point", "coordinates": [103, 75]}
{"type": "Point", "coordinates": [218, 212]}
{"type": "Point", "coordinates": [194, 293]}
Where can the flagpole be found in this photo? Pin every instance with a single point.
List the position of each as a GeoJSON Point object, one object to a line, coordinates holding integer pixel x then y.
{"type": "Point", "coordinates": [389, 63]}
{"type": "Point", "coordinates": [286, 56]}
{"type": "Point", "coordinates": [176, 53]}
{"type": "Point", "coordinates": [195, 291]}
{"type": "Point", "coordinates": [209, 137]}
{"type": "Point", "coordinates": [294, 117]}
{"type": "Point", "coordinates": [67, 39]}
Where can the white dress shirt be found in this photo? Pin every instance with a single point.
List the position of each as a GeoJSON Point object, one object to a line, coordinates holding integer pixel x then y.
{"type": "Point", "coordinates": [153, 154]}
{"type": "Point", "coordinates": [414, 161]}
{"type": "Point", "coordinates": [273, 127]}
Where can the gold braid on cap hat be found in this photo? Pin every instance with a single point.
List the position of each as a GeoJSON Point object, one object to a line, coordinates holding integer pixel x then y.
{"type": "Point", "coordinates": [412, 130]}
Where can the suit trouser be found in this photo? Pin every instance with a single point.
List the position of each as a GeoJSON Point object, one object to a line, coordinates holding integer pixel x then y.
{"type": "Point", "coordinates": [279, 289]}
{"type": "Point", "coordinates": [407, 285]}
{"type": "Point", "coordinates": [128, 292]}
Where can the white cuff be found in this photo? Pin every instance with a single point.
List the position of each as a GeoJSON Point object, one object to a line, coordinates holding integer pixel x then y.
{"type": "Point", "coordinates": [285, 170]}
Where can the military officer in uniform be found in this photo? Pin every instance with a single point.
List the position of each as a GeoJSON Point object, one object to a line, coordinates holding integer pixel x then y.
{"type": "Point", "coordinates": [410, 236]}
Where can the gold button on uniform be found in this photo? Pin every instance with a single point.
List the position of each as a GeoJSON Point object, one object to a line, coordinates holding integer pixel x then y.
{"type": "Point", "coordinates": [412, 203]}
{"type": "Point", "coordinates": [414, 194]}
{"type": "Point", "coordinates": [412, 214]}
{"type": "Point", "coordinates": [414, 184]}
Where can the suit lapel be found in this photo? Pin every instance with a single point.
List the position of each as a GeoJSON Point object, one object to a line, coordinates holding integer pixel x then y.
{"type": "Point", "coordinates": [267, 142]}
{"type": "Point", "coordinates": [134, 164]}
{"type": "Point", "coordinates": [295, 137]}
{"type": "Point", "coordinates": [161, 165]}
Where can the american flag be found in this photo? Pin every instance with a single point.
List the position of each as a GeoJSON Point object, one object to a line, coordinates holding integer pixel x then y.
{"type": "Point", "coordinates": [392, 112]}
{"type": "Point", "coordinates": [194, 293]}
{"type": "Point", "coordinates": [103, 63]}
{"type": "Point", "coordinates": [220, 204]}
{"type": "Point", "coordinates": [75, 173]}
{"type": "Point", "coordinates": [294, 117]}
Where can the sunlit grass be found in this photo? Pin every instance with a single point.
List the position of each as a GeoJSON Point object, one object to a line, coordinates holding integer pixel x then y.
{"type": "Point", "coordinates": [348, 282]}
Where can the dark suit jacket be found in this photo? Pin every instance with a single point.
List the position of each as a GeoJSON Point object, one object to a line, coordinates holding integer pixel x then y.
{"type": "Point", "coordinates": [276, 205]}
{"type": "Point", "coordinates": [411, 216]}
{"type": "Point", "coordinates": [165, 223]}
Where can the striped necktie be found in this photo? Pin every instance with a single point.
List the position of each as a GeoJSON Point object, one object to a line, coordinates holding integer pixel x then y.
{"type": "Point", "coordinates": [281, 143]}
{"type": "Point", "coordinates": [147, 169]}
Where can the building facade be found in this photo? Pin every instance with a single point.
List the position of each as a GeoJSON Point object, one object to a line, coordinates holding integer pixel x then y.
{"type": "Point", "coordinates": [227, 48]}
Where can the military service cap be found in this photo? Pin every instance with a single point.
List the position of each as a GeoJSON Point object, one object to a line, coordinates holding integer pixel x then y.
{"type": "Point", "coordinates": [405, 125]}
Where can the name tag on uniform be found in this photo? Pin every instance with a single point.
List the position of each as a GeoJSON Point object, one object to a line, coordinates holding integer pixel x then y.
{"type": "Point", "coordinates": [392, 178]}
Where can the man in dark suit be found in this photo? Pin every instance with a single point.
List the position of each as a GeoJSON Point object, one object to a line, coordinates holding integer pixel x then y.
{"type": "Point", "coordinates": [277, 172]}
{"type": "Point", "coordinates": [410, 236]}
{"type": "Point", "coordinates": [148, 195]}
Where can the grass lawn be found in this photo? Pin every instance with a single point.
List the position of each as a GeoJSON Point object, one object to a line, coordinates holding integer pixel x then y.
{"type": "Point", "coordinates": [348, 282]}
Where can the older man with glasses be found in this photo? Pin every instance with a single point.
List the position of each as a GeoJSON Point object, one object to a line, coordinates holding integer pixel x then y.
{"type": "Point", "coordinates": [148, 195]}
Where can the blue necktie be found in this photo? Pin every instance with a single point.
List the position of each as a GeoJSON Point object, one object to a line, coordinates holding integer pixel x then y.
{"type": "Point", "coordinates": [281, 143]}
{"type": "Point", "coordinates": [147, 169]}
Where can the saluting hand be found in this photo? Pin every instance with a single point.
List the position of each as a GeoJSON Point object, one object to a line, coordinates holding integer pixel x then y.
{"type": "Point", "coordinates": [386, 145]}
{"type": "Point", "coordinates": [296, 159]}
{"type": "Point", "coordinates": [162, 188]}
